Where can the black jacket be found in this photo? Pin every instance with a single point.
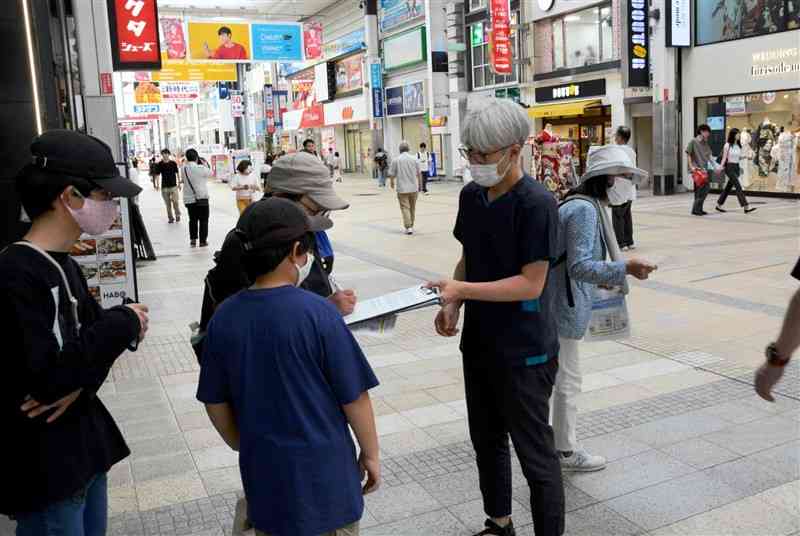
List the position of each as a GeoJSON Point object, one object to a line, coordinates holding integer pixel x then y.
{"type": "Point", "coordinates": [46, 358]}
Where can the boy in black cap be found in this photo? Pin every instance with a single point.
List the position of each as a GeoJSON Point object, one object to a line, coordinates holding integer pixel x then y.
{"type": "Point", "coordinates": [282, 377]}
{"type": "Point", "coordinates": [60, 344]}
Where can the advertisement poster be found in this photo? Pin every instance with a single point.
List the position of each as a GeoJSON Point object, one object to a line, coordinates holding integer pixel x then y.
{"type": "Point", "coordinates": [347, 43]}
{"type": "Point", "coordinates": [719, 20]}
{"type": "Point", "coordinates": [405, 49]}
{"type": "Point", "coordinates": [189, 71]}
{"type": "Point", "coordinates": [638, 55]}
{"type": "Point", "coordinates": [312, 40]}
{"type": "Point", "coordinates": [349, 76]}
{"type": "Point", "coordinates": [107, 261]}
{"type": "Point", "coordinates": [174, 39]}
{"type": "Point", "coordinates": [413, 98]}
{"type": "Point", "coordinates": [146, 93]}
{"type": "Point", "coordinates": [276, 42]}
{"type": "Point", "coordinates": [134, 35]}
{"type": "Point", "coordinates": [679, 25]}
{"type": "Point", "coordinates": [269, 109]}
{"type": "Point", "coordinates": [221, 166]}
{"type": "Point", "coordinates": [394, 100]}
{"type": "Point", "coordinates": [237, 103]}
{"type": "Point", "coordinates": [500, 41]}
{"type": "Point", "coordinates": [180, 92]}
{"type": "Point", "coordinates": [735, 105]}
{"type": "Point", "coordinates": [392, 13]}
{"type": "Point", "coordinates": [219, 41]}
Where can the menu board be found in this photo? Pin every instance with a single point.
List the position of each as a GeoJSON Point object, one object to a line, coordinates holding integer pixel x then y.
{"type": "Point", "coordinates": [107, 261]}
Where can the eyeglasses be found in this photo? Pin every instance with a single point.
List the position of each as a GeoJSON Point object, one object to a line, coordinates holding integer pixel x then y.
{"type": "Point", "coordinates": [471, 155]}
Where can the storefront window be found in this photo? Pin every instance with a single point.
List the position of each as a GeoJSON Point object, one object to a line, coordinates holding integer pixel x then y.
{"type": "Point", "coordinates": [770, 126]}
{"type": "Point", "coordinates": [726, 20]}
{"type": "Point", "coordinates": [482, 75]}
{"type": "Point", "coordinates": [476, 4]}
{"type": "Point", "coordinates": [583, 38]}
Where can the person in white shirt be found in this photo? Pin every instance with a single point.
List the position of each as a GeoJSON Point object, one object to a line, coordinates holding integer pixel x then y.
{"type": "Point", "coordinates": [336, 163]}
{"type": "Point", "coordinates": [404, 170]}
{"type": "Point", "coordinates": [731, 156]}
{"type": "Point", "coordinates": [245, 184]}
{"type": "Point", "coordinates": [622, 195]}
{"type": "Point", "coordinates": [195, 179]}
{"type": "Point", "coordinates": [423, 160]}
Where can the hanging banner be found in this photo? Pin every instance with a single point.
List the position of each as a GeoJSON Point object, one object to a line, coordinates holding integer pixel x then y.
{"type": "Point", "coordinates": [312, 40]}
{"type": "Point", "coordinates": [237, 103]}
{"type": "Point", "coordinates": [376, 82]}
{"type": "Point", "coordinates": [393, 13]}
{"type": "Point", "coordinates": [134, 35]}
{"type": "Point", "coordinates": [276, 42]}
{"type": "Point", "coordinates": [679, 23]}
{"type": "Point", "coordinates": [349, 76]}
{"type": "Point", "coordinates": [180, 92]}
{"type": "Point", "coordinates": [347, 43]}
{"type": "Point", "coordinates": [146, 93]}
{"type": "Point", "coordinates": [219, 41]}
{"type": "Point", "coordinates": [502, 62]}
{"type": "Point", "coordinates": [174, 38]}
{"type": "Point", "coordinates": [188, 71]}
{"type": "Point", "coordinates": [269, 109]}
{"type": "Point", "coordinates": [638, 48]}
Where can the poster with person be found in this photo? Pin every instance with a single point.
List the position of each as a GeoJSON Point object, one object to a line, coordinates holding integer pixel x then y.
{"type": "Point", "coordinates": [219, 41]}
{"type": "Point", "coordinates": [173, 38]}
{"type": "Point", "coordinates": [312, 40]}
{"type": "Point", "coordinates": [725, 20]}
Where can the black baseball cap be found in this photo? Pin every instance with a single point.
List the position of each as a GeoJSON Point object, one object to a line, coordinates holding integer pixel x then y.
{"type": "Point", "coordinates": [73, 154]}
{"type": "Point", "coordinates": [275, 221]}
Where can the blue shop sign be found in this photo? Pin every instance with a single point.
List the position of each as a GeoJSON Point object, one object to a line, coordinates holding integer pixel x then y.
{"type": "Point", "coordinates": [347, 43]}
{"type": "Point", "coordinates": [276, 42]}
{"type": "Point", "coordinates": [394, 100]}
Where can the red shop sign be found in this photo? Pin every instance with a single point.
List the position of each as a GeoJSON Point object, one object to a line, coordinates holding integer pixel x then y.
{"type": "Point", "coordinates": [134, 35]}
{"type": "Point", "coordinates": [312, 117]}
{"type": "Point", "coordinates": [502, 61]}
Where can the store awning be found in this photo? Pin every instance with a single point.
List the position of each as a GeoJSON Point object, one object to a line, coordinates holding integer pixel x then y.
{"type": "Point", "coordinates": [567, 108]}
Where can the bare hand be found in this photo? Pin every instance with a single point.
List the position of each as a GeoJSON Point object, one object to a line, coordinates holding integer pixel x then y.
{"type": "Point", "coordinates": [766, 378]}
{"type": "Point", "coordinates": [446, 322]}
{"type": "Point", "coordinates": [34, 408]}
{"type": "Point", "coordinates": [450, 290]}
{"type": "Point", "coordinates": [345, 301]}
{"type": "Point", "coordinates": [144, 320]}
{"type": "Point", "coordinates": [371, 470]}
{"type": "Point", "coordinates": [640, 269]}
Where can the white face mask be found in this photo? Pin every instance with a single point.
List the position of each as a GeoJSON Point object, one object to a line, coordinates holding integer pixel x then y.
{"type": "Point", "coordinates": [303, 271]}
{"type": "Point", "coordinates": [487, 175]}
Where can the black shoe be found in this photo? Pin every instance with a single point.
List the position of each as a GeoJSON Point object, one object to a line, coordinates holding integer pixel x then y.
{"type": "Point", "coordinates": [496, 530]}
{"type": "Point", "coordinates": [720, 209]}
{"type": "Point", "coordinates": [699, 213]}
{"type": "Point", "coordinates": [171, 221]}
{"type": "Point", "coordinates": [749, 210]}
{"type": "Point", "coordinates": [203, 244]}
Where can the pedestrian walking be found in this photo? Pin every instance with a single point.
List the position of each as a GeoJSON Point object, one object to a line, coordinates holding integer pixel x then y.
{"type": "Point", "coordinates": [153, 172]}
{"type": "Point", "coordinates": [779, 353]}
{"type": "Point", "coordinates": [195, 197]}
{"type": "Point", "coordinates": [59, 440]}
{"type": "Point", "coordinates": [585, 237]}
{"type": "Point", "coordinates": [404, 173]}
{"type": "Point", "coordinates": [170, 189]}
{"type": "Point", "coordinates": [622, 195]}
{"type": "Point", "coordinates": [382, 165]}
{"type": "Point", "coordinates": [299, 466]}
{"type": "Point", "coordinates": [507, 225]}
{"type": "Point", "coordinates": [731, 156]}
{"type": "Point", "coordinates": [424, 161]}
{"type": "Point", "coordinates": [245, 184]}
{"type": "Point", "coordinates": [336, 162]}
{"type": "Point", "coordinates": [701, 164]}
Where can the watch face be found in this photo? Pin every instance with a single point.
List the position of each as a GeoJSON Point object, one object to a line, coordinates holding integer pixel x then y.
{"type": "Point", "coordinates": [545, 5]}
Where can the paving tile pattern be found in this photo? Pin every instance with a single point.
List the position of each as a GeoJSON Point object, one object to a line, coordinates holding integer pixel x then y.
{"type": "Point", "coordinates": [158, 355]}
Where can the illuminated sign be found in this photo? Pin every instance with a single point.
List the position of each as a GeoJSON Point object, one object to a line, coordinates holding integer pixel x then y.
{"type": "Point", "coordinates": [578, 90]}
{"type": "Point", "coordinates": [638, 55]}
{"type": "Point", "coordinates": [134, 35]}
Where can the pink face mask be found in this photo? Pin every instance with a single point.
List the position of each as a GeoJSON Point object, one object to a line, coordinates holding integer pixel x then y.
{"type": "Point", "coordinates": [96, 217]}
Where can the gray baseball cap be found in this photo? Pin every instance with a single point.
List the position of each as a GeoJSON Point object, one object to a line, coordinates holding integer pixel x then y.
{"type": "Point", "coordinates": [304, 173]}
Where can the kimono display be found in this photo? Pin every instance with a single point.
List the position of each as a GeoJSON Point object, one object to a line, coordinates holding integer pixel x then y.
{"type": "Point", "coordinates": [554, 163]}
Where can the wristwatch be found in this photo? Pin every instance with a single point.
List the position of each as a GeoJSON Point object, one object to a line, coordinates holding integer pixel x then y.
{"type": "Point", "coordinates": [774, 357]}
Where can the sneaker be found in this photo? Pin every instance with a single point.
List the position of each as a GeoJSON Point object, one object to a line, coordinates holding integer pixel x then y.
{"type": "Point", "coordinates": [409, 231]}
{"type": "Point", "coordinates": [720, 209]}
{"type": "Point", "coordinates": [631, 247]}
{"type": "Point", "coordinates": [748, 210]}
{"type": "Point", "coordinates": [582, 462]}
{"type": "Point", "coordinates": [495, 529]}
{"type": "Point", "coordinates": [170, 221]}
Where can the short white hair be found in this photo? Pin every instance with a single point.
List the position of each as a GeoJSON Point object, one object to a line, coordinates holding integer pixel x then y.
{"type": "Point", "coordinates": [496, 124]}
{"type": "Point", "coordinates": [404, 147]}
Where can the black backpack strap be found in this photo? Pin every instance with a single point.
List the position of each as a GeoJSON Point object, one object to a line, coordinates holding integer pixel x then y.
{"type": "Point", "coordinates": [563, 260]}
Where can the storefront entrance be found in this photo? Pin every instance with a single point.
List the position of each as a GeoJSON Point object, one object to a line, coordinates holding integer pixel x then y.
{"type": "Point", "coordinates": [358, 140]}
{"type": "Point", "coordinates": [593, 127]}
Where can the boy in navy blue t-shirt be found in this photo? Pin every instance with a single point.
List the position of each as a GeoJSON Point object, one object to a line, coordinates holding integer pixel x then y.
{"type": "Point", "coordinates": [282, 378]}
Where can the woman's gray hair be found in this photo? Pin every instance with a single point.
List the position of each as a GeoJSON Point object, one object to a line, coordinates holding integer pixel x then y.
{"type": "Point", "coordinates": [404, 147]}
{"type": "Point", "coordinates": [496, 124]}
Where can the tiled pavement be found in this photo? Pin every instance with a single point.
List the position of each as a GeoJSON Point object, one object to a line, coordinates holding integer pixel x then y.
{"type": "Point", "coordinates": [691, 449]}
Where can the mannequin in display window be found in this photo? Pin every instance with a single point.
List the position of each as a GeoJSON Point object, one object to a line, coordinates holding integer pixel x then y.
{"type": "Point", "coordinates": [786, 165]}
{"type": "Point", "coordinates": [746, 162]}
{"type": "Point", "coordinates": [764, 140]}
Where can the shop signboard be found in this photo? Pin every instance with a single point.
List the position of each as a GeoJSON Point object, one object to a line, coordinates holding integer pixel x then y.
{"type": "Point", "coordinates": [578, 90]}
{"type": "Point", "coordinates": [180, 92]}
{"type": "Point", "coordinates": [405, 100]}
{"type": "Point", "coordinates": [277, 41]}
{"type": "Point", "coordinates": [350, 110]}
{"type": "Point", "coordinates": [739, 19]}
{"type": "Point", "coordinates": [173, 38]}
{"type": "Point", "coordinates": [349, 76]}
{"type": "Point", "coordinates": [188, 71]}
{"type": "Point", "coordinates": [312, 40]}
{"type": "Point", "coordinates": [394, 100]}
{"type": "Point", "coordinates": [500, 42]}
{"type": "Point", "coordinates": [376, 83]}
{"type": "Point", "coordinates": [133, 28]}
{"type": "Point", "coordinates": [405, 49]}
{"type": "Point", "coordinates": [321, 83]}
{"type": "Point", "coordinates": [219, 41]}
{"type": "Point", "coordinates": [679, 23]}
{"type": "Point", "coordinates": [393, 13]}
{"type": "Point", "coordinates": [237, 103]}
{"type": "Point", "coordinates": [638, 47]}
{"type": "Point", "coordinates": [736, 105]}
{"type": "Point", "coordinates": [106, 261]}
{"type": "Point", "coordinates": [269, 109]}
{"type": "Point", "coordinates": [347, 43]}
{"type": "Point", "coordinates": [311, 117]}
